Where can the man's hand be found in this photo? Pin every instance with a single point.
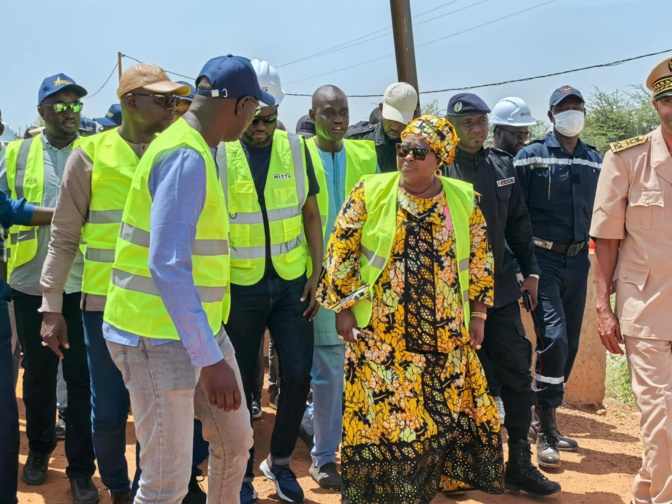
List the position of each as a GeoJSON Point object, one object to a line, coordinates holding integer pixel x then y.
{"type": "Point", "coordinates": [345, 323]}
{"type": "Point", "coordinates": [309, 293]}
{"type": "Point", "coordinates": [610, 331]}
{"type": "Point", "coordinates": [531, 285]}
{"type": "Point", "coordinates": [54, 332]}
{"type": "Point", "coordinates": [222, 387]}
{"type": "Point", "coordinates": [477, 332]}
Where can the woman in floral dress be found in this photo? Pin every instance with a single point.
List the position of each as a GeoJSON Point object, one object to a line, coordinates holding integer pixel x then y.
{"type": "Point", "coordinates": [417, 415]}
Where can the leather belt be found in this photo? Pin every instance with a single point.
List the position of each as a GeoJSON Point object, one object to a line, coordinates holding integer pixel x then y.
{"type": "Point", "coordinates": [568, 249]}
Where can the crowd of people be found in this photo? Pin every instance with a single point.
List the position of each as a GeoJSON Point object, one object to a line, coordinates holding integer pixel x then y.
{"type": "Point", "coordinates": [390, 261]}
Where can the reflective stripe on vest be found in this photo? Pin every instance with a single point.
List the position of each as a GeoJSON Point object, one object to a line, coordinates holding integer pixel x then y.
{"type": "Point", "coordinates": [285, 194]}
{"type": "Point", "coordinates": [379, 231]}
{"type": "Point", "coordinates": [146, 285]}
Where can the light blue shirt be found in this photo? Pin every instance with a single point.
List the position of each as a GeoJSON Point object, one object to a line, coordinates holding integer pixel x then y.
{"type": "Point", "coordinates": [177, 185]}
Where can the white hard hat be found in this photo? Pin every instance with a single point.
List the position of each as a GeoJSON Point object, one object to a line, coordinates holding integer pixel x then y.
{"type": "Point", "coordinates": [511, 111]}
{"type": "Point", "coordinates": [269, 79]}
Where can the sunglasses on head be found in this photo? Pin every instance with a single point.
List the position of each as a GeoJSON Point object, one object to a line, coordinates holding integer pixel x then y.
{"type": "Point", "coordinates": [419, 153]}
{"type": "Point", "coordinates": [265, 119]}
{"type": "Point", "coordinates": [166, 101]}
{"type": "Point", "coordinates": [60, 107]}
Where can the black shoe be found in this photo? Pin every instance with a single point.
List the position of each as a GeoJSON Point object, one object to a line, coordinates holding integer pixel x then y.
{"type": "Point", "coordinates": [564, 443]}
{"type": "Point", "coordinates": [83, 490]}
{"type": "Point", "coordinates": [567, 444]}
{"type": "Point", "coordinates": [521, 475]}
{"type": "Point", "coordinates": [327, 476]}
{"type": "Point", "coordinates": [256, 410]}
{"type": "Point", "coordinates": [306, 438]}
{"type": "Point", "coordinates": [60, 429]}
{"type": "Point", "coordinates": [121, 497]}
{"type": "Point", "coordinates": [35, 470]}
{"type": "Point", "coordinates": [195, 495]}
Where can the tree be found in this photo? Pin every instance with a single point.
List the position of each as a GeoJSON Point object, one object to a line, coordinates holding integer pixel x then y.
{"type": "Point", "coordinates": [432, 108]}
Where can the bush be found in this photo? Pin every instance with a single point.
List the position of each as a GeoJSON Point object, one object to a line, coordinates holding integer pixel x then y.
{"type": "Point", "coordinates": [618, 381]}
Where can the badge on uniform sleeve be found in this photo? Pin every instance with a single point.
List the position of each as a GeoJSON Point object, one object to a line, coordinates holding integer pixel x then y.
{"type": "Point", "coordinates": [506, 181]}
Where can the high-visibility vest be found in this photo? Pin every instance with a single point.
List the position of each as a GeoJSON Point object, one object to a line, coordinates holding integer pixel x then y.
{"type": "Point", "coordinates": [25, 178]}
{"type": "Point", "coordinates": [285, 194]}
{"type": "Point", "coordinates": [133, 301]}
{"type": "Point", "coordinates": [378, 233]}
{"type": "Point", "coordinates": [360, 160]}
{"type": "Point", "coordinates": [114, 164]}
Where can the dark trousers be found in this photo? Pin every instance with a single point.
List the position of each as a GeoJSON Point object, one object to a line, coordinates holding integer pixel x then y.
{"type": "Point", "coordinates": [39, 384]}
{"type": "Point", "coordinates": [274, 303]}
{"type": "Point", "coordinates": [558, 320]}
{"type": "Point", "coordinates": [9, 412]}
{"type": "Point", "coordinates": [509, 355]}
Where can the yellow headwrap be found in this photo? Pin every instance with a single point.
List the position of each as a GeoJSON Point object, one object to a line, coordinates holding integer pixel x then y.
{"type": "Point", "coordinates": [439, 134]}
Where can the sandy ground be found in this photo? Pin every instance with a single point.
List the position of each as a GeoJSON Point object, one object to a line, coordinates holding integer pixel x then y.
{"type": "Point", "coordinates": [600, 473]}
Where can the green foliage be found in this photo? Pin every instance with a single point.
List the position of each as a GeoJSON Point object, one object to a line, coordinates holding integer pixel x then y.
{"type": "Point", "coordinates": [618, 381]}
{"type": "Point", "coordinates": [433, 108]}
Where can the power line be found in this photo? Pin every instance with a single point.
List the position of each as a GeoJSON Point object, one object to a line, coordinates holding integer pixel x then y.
{"type": "Point", "coordinates": [106, 81]}
{"type": "Point", "coordinates": [493, 84]}
{"type": "Point", "coordinates": [167, 71]}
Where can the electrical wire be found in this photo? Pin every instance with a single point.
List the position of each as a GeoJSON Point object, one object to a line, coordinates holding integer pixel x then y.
{"type": "Point", "coordinates": [106, 81]}
{"type": "Point", "coordinates": [167, 71]}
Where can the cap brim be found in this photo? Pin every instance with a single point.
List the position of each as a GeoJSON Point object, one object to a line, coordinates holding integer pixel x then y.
{"type": "Point", "coordinates": [571, 93]}
{"type": "Point", "coordinates": [664, 94]}
{"type": "Point", "coordinates": [392, 114]}
{"type": "Point", "coordinates": [168, 87]}
{"type": "Point", "coordinates": [104, 121]}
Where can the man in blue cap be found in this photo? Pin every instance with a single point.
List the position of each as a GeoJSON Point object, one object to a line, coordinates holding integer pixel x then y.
{"type": "Point", "coordinates": [33, 169]}
{"type": "Point", "coordinates": [87, 127]}
{"type": "Point", "coordinates": [505, 353]}
{"type": "Point", "coordinates": [558, 175]}
{"type": "Point", "coordinates": [185, 101]}
{"type": "Point", "coordinates": [169, 294]}
{"type": "Point", "coordinates": [112, 119]}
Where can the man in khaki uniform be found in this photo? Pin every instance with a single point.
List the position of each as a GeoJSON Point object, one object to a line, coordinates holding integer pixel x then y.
{"type": "Point", "coordinates": [632, 222]}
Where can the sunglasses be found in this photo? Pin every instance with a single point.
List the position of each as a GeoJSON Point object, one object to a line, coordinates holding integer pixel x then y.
{"type": "Point", "coordinates": [419, 153]}
{"type": "Point", "coordinates": [164, 100]}
{"type": "Point", "coordinates": [265, 119]}
{"type": "Point", "coordinates": [61, 107]}
{"type": "Point", "coordinates": [521, 136]}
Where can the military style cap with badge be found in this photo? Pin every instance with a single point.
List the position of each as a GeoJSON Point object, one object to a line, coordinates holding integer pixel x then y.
{"type": "Point", "coordinates": [464, 104]}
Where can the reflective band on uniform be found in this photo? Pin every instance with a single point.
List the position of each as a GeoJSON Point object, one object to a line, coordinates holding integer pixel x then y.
{"type": "Point", "coordinates": [250, 218]}
{"type": "Point", "coordinates": [22, 236]}
{"type": "Point", "coordinates": [551, 380]}
{"type": "Point", "coordinates": [140, 237]}
{"type": "Point", "coordinates": [146, 285]}
{"type": "Point", "coordinates": [260, 252]}
{"type": "Point", "coordinates": [463, 265]}
{"type": "Point", "coordinates": [375, 261]}
{"type": "Point", "coordinates": [299, 172]}
{"type": "Point", "coordinates": [557, 161]}
{"type": "Point", "coordinates": [104, 216]}
{"type": "Point", "coordinates": [100, 255]}
{"type": "Point", "coordinates": [134, 235]}
{"type": "Point", "coordinates": [21, 164]}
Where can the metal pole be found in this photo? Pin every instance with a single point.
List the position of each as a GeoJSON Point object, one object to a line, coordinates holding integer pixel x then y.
{"type": "Point", "coordinates": [119, 55]}
{"type": "Point", "coordinates": [402, 26]}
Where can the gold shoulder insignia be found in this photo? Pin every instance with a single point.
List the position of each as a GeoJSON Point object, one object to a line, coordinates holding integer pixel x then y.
{"type": "Point", "coordinates": [626, 144]}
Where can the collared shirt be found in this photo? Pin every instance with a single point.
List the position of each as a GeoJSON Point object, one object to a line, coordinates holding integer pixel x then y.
{"type": "Point", "coordinates": [385, 148]}
{"type": "Point", "coordinates": [26, 278]}
{"type": "Point", "coordinates": [559, 188]}
{"type": "Point", "coordinates": [634, 205]}
{"type": "Point", "coordinates": [173, 231]}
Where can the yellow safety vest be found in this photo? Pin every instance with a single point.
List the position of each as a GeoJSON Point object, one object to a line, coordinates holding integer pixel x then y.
{"type": "Point", "coordinates": [378, 233]}
{"type": "Point", "coordinates": [114, 164]}
{"type": "Point", "coordinates": [285, 194]}
{"type": "Point", "coordinates": [360, 160]}
{"type": "Point", "coordinates": [133, 301]}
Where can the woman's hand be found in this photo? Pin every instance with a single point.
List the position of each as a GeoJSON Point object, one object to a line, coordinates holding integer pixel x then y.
{"type": "Point", "coordinates": [345, 323]}
{"type": "Point", "coordinates": [477, 332]}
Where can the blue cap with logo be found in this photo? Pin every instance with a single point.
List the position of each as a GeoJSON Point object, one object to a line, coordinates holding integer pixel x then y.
{"type": "Point", "coordinates": [87, 126]}
{"type": "Point", "coordinates": [466, 104]}
{"type": "Point", "coordinates": [232, 77]}
{"type": "Point", "coordinates": [192, 92]}
{"type": "Point", "coordinates": [56, 84]}
{"type": "Point", "coordinates": [563, 92]}
{"type": "Point", "coordinates": [112, 118]}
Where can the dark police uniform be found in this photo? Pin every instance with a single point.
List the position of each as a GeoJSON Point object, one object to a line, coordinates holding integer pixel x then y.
{"type": "Point", "coordinates": [559, 189]}
{"type": "Point", "coordinates": [506, 353]}
{"type": "Point", "coordinates": [385, 148]}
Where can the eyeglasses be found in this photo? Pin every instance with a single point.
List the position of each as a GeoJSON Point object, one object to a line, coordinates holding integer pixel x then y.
{"type": "Point", "coordinates": [60, 107]}
{"type": "Point", "coordinates": [419, 153]}
{"type": "Point", "coordinates": [166, 101]}
{"type": "Point", "coordinates": [265, 119]}
{"type": "Point", "coordinates": [520, 136]}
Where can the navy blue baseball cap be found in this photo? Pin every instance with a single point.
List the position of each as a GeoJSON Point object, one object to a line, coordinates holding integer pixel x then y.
{"type": "Point", "coordinates": [87, 126]}
{"type": "Point", "coordinates": [112, 118]}
{"type": "Point", "coordinates": [232, 77]}
{"type": "Point", "coordinates": [466, 104]}
{"type": "Point", "coordinates": [56, 84]}
{"type": "Point", "coordinates": [192, 92]}
{"type": "Point", "coordinates": [306, 127]}
{"type": "Point", "coordinates": [562, 93]}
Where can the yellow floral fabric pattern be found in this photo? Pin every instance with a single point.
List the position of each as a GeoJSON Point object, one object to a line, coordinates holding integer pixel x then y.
{"type": "Point", "coordinates": [417, 413]}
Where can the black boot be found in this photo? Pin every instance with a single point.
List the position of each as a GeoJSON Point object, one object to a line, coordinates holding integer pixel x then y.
{"type": "Point", "coordinates": [547, 439]}
{"type": "Point", "coordinates": [521, 475]}
{"type": "Point", "coordinates": [564, 443]}
{"type": "Point", "coordinates": [195, 495]}
{"type": "Point", "coordinates": [83, 490]}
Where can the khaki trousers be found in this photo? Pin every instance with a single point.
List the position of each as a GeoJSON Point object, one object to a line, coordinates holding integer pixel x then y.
{"type": "Point", "coordinates": [650, 365]}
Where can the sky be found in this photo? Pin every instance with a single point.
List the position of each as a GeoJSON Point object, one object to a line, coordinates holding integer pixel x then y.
{"type": "Point", "coordinates": [483, 41]}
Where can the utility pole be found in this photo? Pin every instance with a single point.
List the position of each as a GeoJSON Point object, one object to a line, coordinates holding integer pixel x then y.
{"type": "Point", "coordinates": [402, 26]}
{"type": "Point", "coordinates": [119, 55]}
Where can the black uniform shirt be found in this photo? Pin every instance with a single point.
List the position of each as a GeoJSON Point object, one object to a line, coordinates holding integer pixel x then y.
{"type": "Point", "coordinates": [492, 174]}
{"type": "Point", "coordinates": [385, 148]}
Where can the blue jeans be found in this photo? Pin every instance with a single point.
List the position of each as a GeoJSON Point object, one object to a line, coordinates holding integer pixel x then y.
{"type": "Point", "coordinates": [324, 417]}
{"type": "Point", "coordinates": [9, 413]}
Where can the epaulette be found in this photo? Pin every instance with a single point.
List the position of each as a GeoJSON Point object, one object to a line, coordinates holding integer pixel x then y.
{"type": "Point", "coordinates": [622, 145]}
{"type": "Point", "coordinates": [537, 140]}
{"type": "Point", "coordinates": [361, 127]}
{"type": "Point", "coordinates": [501, 153]}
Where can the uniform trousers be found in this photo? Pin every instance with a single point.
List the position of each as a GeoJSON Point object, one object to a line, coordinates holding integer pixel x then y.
{"type": "Point", "coordinates": [9, 412]}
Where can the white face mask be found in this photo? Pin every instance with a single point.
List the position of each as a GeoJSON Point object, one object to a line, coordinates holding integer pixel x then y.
{"type": "Point", "coordinates": [570, 122]}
